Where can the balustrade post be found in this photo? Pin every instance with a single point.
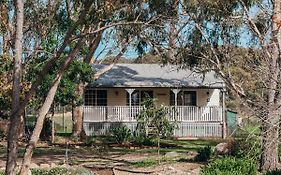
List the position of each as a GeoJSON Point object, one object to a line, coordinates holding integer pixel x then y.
{"type": "Point", "coordinates": [130, 91]}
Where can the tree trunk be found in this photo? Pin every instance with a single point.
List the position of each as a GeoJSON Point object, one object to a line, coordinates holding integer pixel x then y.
{"type": "Point", "coordinates": [38, 127]}
{"type": "Point", "coordinates": [45, 108]}
{"type": "Point", "coordinates": [16, 121]}
{"type": "Point", "coordinates": [269, 158]}
{"type": "Point", "coordinates": [77, 116]}
{"type": "Point", "coordinates": [270, 126]}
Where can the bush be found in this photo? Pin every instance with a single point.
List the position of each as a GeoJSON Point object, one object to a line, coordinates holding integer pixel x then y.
{"type": "Point", "coordinates": [143, 141]}
{"type": "Point", "coordinates": [273, 172]}
{"type": "Point", "coordinates": [46, 130]}
{"type": "Point", "coordinates": [121, 134]}
{"type": "Point", "coordinates": [90, 141]}
{"type": "Point", "coordinates": [230, 165]}
{"type": "Point", "coordinates": [249, 149]}
{"type": "Point", "coordinates": [204, 154]}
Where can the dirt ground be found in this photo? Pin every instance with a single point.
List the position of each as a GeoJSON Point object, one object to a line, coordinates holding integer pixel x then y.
{"type": "Point", "coordinates": [109, 163]}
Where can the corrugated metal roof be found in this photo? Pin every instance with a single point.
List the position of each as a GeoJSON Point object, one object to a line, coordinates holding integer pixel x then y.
{"type": "Point", "coordinates": [154, 75]}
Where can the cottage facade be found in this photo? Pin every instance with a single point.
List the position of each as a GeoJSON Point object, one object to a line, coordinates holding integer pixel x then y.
{"type": "Point", "coordinates": [196, 100]}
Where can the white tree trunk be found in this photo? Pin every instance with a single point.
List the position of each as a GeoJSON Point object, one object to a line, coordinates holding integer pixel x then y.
{"type": "Point", "coordinates": [15, 121]}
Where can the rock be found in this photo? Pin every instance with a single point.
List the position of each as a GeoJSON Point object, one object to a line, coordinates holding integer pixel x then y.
{"type": "Point", "coordinates": [33, 166]}
{"type": "Point", "coordinates": [222, 149]}
{"type": "Point", "coordinates": [29, 172]}
{"type": "Point", "coordinates": [191, 154]}
{"type": "Point", "coordinates": [44, 166]}
{"type": "Point", "coordinates": [172, 154]}
{"type": "Point", "coordinates": [53, 165]}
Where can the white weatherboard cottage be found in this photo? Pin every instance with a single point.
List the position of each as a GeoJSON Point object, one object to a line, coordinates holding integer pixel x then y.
{"type": "Point", "coordinates": [117, 95]}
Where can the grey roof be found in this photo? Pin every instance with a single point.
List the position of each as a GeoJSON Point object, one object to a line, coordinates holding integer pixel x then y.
{"type": "Point", "coordinates": [154, 75]}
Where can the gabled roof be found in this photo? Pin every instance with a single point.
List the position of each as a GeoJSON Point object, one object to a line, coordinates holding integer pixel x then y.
{"type": "Point", "coordinates": [154, 75]}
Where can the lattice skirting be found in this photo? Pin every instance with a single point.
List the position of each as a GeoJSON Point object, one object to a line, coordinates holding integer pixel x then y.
{"type": "Point", "coordinates": [183, 129]}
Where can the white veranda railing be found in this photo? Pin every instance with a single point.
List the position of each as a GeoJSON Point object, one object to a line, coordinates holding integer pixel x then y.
{"type": "Point", "coordinates": [176, 113]}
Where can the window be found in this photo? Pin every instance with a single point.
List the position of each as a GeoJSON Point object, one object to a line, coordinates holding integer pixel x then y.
{"type": "Point", "coordinates": [89, 97]}
{"type": "Point", "coordinates": [138, 96]}
{"type": "Point", "coordinates": [95, 97]}
{"type": "Point", "coordinates": [185, 98]}
{"type": "Point", "coordinates": [101, 98]}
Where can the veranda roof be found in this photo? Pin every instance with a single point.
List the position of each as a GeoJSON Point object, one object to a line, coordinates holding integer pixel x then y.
{"type": "Point", "coordinates": [154, 75]}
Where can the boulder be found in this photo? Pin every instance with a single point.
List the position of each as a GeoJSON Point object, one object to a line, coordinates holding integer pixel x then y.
{"type": "Point", "coordinates": [222, 149]}
{"type": "Point", "coordinates": [53, 165]}
{"type": "Point", "coordinates": [172, 154]}
{"type": "Point", "coordinates": [44, 166]}
{"type": "Point", "coordinates": [191, 154]}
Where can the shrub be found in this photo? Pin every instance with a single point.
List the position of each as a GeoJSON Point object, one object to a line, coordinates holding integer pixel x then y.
{"type": "Point", "coordinates": [46, 130]}
{"type": "Point", "coordinates": [90, 141]}
{"type": "Point", "coordinates": [204, 154]}
{"type": "Point", "coordinates": [250, 148]}
{"type": "Point", "coordinates": [143, 141]}
{"type": "Point", "coordinates": [121, 134]}
{"type": "Point", "coordinates": [230, 165]}
{"type": "Point", "coordinates": [274, 172]}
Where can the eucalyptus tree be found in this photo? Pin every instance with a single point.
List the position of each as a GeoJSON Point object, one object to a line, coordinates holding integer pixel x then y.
{"type": "Point", "coordinates": [240, 40]}
{"type": "Point", "coordinates": [56, 33]}
{"type": "Point", "coordinates": [251, 24]}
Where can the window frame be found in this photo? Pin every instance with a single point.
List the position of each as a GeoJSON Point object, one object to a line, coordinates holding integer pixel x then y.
{"type": "Point", "coordinates": [93, 99]}
{"type": "Point", "coordinates": [181, 100]}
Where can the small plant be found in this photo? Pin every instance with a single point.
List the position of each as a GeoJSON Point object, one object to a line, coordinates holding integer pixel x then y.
{"type": "Point", "coordinates": [230, 165]}
{"type": "Point", "coordinates": [204, 154]}
{"type": "Point", "coordinates": [121, 134]}
{"type": "Point", "coordinates": [274, 172]}
{"type": "Point", "coordinates": [154, 121]}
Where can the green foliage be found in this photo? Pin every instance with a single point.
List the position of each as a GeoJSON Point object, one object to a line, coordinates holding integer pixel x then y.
{"type": "Point", "coordinates": [77, 72]}
{"type": "Point", "coordinates": [143, 141]}
{"type": "Point", "coordinates": [90, 141]}
{"type": "Point", "coordinates": [121, 134]}
{"type": "Point", "coordinates": [6, 63]}
{"type": "Point", "coordinates": [154, 117]}
{"type": "Point", "coordinates": [145, 163]}
{"type": "Point", "coordinates": [230, 165]}
{"type": "Point", "coordinates": [46, 130]}
{"type": "Point", "coordinates": [246, 148]}
{"type": "Point", "coordinates": [274, 172]}
{"type": "Point", "coordinates": [204, 154]}
{"type": "Point", "coordinates": [61, 171]}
